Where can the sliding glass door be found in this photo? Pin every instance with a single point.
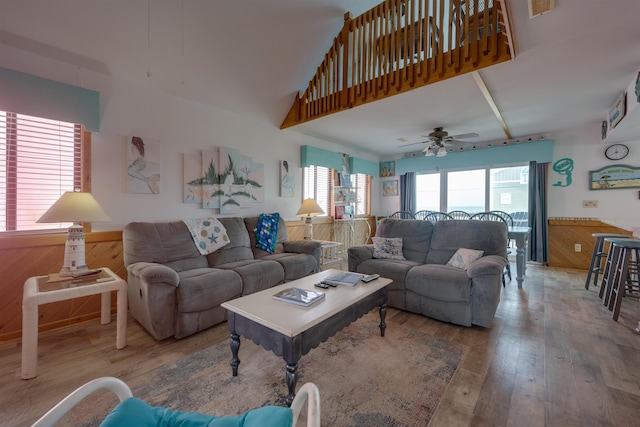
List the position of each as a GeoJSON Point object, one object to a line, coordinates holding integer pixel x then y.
{"type": "Point", "coordinates": [475, 190]}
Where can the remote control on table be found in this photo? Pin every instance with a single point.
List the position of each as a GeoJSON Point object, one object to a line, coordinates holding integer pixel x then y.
{"type": "Point", "coordinates": [322, 285]}
{"type": "Point", "coordinates": [367, 279]}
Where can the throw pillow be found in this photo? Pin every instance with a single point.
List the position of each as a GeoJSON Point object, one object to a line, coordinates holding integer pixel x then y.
{"type": "Point", "coordinates": [208, 234]}
{"type": "Point", "coordinates": [464, 257]}
{"type": "Point", "coordinates": [387, 247]}
{"type": "Point", "coordinates": [267, 232]}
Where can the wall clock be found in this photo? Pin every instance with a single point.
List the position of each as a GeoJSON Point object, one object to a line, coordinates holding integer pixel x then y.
{"type": "Point", "coordinates": [616, 152]}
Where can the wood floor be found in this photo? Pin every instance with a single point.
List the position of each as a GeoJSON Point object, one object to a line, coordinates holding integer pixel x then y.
{"type": "Point", "coordinates": [553, 357]}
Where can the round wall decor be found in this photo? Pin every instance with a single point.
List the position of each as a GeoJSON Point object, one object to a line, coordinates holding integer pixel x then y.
{"type": "Point", "coordinates": [616, 152]}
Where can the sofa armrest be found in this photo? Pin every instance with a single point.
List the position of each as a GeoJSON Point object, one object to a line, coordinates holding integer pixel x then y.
{"type": "Point", "coordinates": [151, 289]}
{"type": "Point", "coordinates": [489, 264]}
{"type": "Point", "coordinates": [359, 254]}
{"type": "Point", "coordinates": [312, 247]}
{"type": "Point", "coordinates": [150, 272]}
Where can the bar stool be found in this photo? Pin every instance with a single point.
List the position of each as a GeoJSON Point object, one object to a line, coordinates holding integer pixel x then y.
{"type": "Point", "coordinates": [598, 254]}
{"type": "Point", "coordinates": [626, 274]}
{"type": "Point", "coordinates": [615, 264]}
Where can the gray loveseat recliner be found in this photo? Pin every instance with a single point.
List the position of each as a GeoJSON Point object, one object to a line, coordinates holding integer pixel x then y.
{"type": "Point", "coordinates": [175, 291]}
{"type": "Point", "coordinates": [423, 284]}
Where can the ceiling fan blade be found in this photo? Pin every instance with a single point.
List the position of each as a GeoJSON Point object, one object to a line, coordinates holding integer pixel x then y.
{"type": "Point", "coordinates": [463, 136]}
{"type": "Point", "coordinates": [451, 142]}
{"type": "Point", "coordinates": [413, 143]}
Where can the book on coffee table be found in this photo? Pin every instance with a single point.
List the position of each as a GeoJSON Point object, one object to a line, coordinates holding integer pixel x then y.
{"type": "Point", "coordinates": [344, 278]}
{"type": "Point", "coordinates": [299, 296]}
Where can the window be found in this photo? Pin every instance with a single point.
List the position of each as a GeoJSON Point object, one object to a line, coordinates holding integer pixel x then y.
{"type": "Point", "coordinates": [316, 184]}
{"type": "Point", "coordinates": [40, 159]}
{"type": "Point", "coordinates": [362, 184]}
{"type": "Point", "coordinates": [474, 190]}
{"type": "Point", "coordinates": [466, 191]}
{"type": "Point", "coordinates": [428, 192]}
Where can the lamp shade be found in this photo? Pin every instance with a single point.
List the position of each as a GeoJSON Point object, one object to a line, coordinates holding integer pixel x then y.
{"type": "Point", "coordinates": [74, 206]}
{"type": "Point", "coordinates": [310, 208]}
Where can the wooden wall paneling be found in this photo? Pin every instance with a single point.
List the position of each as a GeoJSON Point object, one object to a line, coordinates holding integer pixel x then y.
{"type": "Point", "coordinates": [27, 256]}
{"type": "Point", "coordinates": [565, 233]}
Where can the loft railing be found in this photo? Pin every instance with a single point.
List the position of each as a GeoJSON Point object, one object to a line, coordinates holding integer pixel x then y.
{"type": "Point", "coordinates": [401, 45]}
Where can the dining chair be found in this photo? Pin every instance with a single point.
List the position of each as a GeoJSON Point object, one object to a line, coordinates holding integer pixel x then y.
{"type": "Point", "coordinates": [459, 215]}
{"type": "Point", "coordinates": [402, 215]}
{"type": "Point", "coordinates": [437, 216]}
{"type": "Point", "coordinates": [422, 214]}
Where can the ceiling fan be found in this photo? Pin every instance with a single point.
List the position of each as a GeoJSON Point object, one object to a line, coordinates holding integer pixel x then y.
{"type": "Point", "coordinates": [439, 139]}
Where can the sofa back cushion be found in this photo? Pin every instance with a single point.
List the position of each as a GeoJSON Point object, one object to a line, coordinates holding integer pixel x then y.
{"type": "Point", "coordinates": [448, 236]}
{"type": "Point", "coordinates": [251, 223]}
{"type": "Point", "coordinates": [239, 248]}
{"type": "Point", "coordinates": [416, 236]}
{"type": "Point", "coordinates": [167, 243]}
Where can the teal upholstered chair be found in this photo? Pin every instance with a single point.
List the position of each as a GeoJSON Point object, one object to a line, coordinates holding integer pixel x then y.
{"type": "Point", "coordinates": [134, 412]}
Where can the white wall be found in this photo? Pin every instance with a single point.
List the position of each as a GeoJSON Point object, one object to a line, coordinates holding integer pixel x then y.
{"type": "Point", "coordinates": [181, 127]}
{"type": "Point", "coordinates": [587, 152]}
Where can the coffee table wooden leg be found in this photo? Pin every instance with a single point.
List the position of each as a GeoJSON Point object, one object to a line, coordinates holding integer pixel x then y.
{"type": "Point", "coordinates": [383, 315]}
{"type": "Point", "coordinates": [235, 346]}
{"type": "Point", "coordinates": [292, 380]}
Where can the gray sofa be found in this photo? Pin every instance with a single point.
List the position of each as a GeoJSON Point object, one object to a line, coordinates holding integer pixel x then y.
{"type": "Point", "coordinates": [424, 284]}
{"type": "Point", "coordinates": [175, 291]}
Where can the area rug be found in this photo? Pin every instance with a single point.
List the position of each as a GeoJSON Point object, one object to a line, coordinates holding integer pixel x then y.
{"type": "Point", "coordinates": [364, 379]}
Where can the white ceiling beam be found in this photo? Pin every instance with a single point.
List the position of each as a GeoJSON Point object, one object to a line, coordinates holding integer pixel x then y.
{"type": "Point", "coordinates": [487, 95]}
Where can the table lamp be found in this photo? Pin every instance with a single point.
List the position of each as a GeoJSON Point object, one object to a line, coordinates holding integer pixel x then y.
{"type": "Point", "coordinates": [308, 209]}
{"type": "Point", "coordinates": [76, 207]}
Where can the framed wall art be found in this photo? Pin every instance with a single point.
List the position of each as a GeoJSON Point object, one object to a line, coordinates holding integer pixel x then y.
{"type": "Point", "coordinates": [143, 165]}
{"type": "Point", "coordinates": [387, 169]}
{"type": "Point", "coordinates": [614, 177]}
{"type": "Point", "coordinates": [389, 188]}
{"type": "Point", "coordinates": [618, 110]}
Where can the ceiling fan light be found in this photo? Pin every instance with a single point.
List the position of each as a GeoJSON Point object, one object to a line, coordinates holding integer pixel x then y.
{"type": "Point", "coordinates": [442, 152]}
{"type": "Point", "coordinates": [428, 152]}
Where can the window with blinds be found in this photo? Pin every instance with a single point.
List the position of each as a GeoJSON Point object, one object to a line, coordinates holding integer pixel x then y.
{"type": "Point", "coordinates": [40, 159]}
{"type": "Point", "coordinates": [362, 184]}
{"type": "Point", "coordinates": [317, 184]}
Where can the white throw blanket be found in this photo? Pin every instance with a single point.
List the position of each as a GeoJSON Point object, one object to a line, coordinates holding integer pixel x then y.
{"type": "Point", "coordinates": [208, 234]}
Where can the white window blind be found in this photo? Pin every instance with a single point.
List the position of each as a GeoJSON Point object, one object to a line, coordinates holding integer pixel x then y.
{"type": "Point", "coordinates": [317, 186]}
{"type": "Point", "coordinates": [361, 182]}
{"type": "Point", "coordinates": [40, 159]}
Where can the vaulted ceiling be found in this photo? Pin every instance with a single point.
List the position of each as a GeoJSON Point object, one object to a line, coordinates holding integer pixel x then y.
{"type": "Point", "coordinates": [253, 56]}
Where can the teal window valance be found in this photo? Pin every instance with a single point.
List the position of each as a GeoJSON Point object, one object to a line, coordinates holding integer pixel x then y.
{"type": "Point", "coordinates": [313, 156]}
{"type": "Point", "coordinates": [35, 96]}
{"type": "Point", "coordinates": [366, 167]}
{"type": "Point", "coordinates": [541, 152]}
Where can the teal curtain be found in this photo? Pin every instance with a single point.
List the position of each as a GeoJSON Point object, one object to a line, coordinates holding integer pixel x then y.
{"type": "Point", "coordinates": [539, 239]}
{"type": "Point", "coordinates": [408, 192]}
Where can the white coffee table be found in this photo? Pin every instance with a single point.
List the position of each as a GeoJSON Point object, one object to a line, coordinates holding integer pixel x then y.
{"type": "Point", "coordinates": [291, 331]}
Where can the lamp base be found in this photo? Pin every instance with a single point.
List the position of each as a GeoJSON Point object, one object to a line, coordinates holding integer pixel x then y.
{"type": "Point", "coordinates": [74, 261]}
{"type": "Point", "coordinates": [308, 229]}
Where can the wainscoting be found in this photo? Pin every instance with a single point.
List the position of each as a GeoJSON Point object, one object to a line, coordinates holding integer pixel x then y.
{"type": "Point", "coordinates": [564, 234]}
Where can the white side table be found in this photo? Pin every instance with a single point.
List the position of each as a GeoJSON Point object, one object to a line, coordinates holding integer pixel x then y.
{"type": "Point", "coordinates": [38, 290]}
{"type": "Point", "coordinates": [332, 253]}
